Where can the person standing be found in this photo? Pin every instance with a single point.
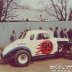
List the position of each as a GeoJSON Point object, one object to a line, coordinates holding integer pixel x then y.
{"type": "Point", "coordinates": [65, 33]}
{"type": "Point", "coordinates": [69, 33]}
{"type": "Point", "coordinates": [56, 33]}
{"type": "Point", "coordinates": [13, 36]}
{"type": "Point", "coordinates": [21, 35]}
{"type": "Point", "coordinates": [62, 33]}
{"type": "Point", "coordinates": [50, 30]}
{"type": "Point", "coordinates": [25, 32]}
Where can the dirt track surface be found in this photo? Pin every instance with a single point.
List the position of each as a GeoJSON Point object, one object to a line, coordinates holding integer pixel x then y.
{"type": "Point", "coordinates": [44, 65]}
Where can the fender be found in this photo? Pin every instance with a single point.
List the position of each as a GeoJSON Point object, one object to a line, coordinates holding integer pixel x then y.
{"type": "Point", "coordinates": [12, 52]}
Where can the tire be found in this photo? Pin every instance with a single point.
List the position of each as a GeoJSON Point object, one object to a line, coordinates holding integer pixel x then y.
{"type": "Point", "coordinates": [69, 54]}
{"type": "Point", "coordinates": [70, 57]}
{"type": "Point", "coordinates": [22, 58]}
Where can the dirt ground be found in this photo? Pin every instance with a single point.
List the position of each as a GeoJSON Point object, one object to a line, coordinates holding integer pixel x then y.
{"type": "Point", "coordinates": [45, 65]}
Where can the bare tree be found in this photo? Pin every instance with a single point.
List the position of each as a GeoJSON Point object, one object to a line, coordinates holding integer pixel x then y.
{"type": "Point", "coordinates": [1, 8]}
{"type": "Point", "coordinates": [70, 15]}
{"type": "Point", "coordinates": [4, 6]}
{"type": "Point", "coordinates": [60, 10]}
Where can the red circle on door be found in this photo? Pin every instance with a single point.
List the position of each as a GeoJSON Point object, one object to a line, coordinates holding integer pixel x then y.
{"type": "Point", "coordinates": [45, 47]}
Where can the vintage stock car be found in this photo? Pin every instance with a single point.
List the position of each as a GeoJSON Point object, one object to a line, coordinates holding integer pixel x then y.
{"type": "Point", "coordinates": [36, 43]}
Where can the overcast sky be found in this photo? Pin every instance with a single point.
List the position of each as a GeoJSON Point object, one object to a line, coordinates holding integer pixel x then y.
{"type": "Point", "coordinates": [33, 3]}
{"type": "Point", "coordinates": [37, 3]}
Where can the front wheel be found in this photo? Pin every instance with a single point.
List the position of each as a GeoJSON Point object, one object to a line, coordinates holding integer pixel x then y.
{"type": "Point", "coordinates": [22, 58]}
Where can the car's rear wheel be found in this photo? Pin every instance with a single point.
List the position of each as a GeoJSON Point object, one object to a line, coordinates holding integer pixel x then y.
{"type": "Point", "coordinates": [68, 53]}
{"type": "Point", "coordinates": [70, 57]}
{"type": "Point", "coordinates": [22, 58]}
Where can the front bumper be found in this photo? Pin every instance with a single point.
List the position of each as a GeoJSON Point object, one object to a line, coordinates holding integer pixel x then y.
{"type": "Point", "coordinates": [2, 56]}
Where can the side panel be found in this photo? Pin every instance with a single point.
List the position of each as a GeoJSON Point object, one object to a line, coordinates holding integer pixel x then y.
{"type": "Point", "coordinates": [43, 47]}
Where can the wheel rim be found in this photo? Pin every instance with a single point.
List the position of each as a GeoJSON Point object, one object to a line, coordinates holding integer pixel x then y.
{"type": "Point", "coordinates": [23, 58]}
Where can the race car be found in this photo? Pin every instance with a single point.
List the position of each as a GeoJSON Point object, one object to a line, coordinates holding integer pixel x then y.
{"type": "Point", "coordinates": [36, 43]}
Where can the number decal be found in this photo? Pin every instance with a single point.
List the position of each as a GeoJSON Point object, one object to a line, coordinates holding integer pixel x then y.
{"type": "Point", "coordinates": [45, 47]}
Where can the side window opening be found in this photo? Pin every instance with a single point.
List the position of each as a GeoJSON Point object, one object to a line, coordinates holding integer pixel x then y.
{"type": "Point", "coordinates": [42, 36]}
{"type": "Point", "coordinates": [32, 37]}
{"type": "Point", "coordinates": [46, 36]}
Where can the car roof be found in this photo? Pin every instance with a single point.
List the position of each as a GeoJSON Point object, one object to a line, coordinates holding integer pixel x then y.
{"type": "Point", "coordinates": [37, 31]}
{"type": "Point", "coordinates": [40, 31]}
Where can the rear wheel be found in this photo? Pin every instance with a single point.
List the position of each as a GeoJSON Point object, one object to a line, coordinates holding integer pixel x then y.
{"type": "Point", "coordinates": [70, 57]}
{"type": "Point", "coordinates": [68, 53]}
{"type": "Point", "coordinates": [22, 58]}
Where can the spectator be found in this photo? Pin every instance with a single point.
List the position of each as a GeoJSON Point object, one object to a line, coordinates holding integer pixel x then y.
{"type": "Point", "coordinates": [50, 31]}
{"type": "Point", "coordinates": [62, 33]}
{"type": "Point", "coordinates": [65, 33]}
{"type": "Point", "coordinates": [24, 33]}
{"type": "Point", "coordinates": [69, 33]}
{"type": "Point", "coordinates": [21, 35]}
{"type": "Point", "coordinates": [56, 33]}
{"type": "Point", "coordinates": [13, 36]}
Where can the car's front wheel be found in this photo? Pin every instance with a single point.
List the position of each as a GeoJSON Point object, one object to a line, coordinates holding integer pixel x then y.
{"type": "Point", "coordinates": [22, 58]}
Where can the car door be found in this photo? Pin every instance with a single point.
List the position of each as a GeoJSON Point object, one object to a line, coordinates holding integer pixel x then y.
{"type": "Point", "coordinates": [42, 44]}
{"type": "Point", "coordinates": [46, 44]}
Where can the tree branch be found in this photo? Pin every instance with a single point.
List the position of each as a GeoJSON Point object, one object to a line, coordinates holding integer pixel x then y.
{"type": "Point", "coordinates": [50, 13]}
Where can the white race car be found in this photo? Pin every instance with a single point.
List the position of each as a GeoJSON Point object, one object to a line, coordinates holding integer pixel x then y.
{"type": "Point", "coordinates": [36, 43]}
